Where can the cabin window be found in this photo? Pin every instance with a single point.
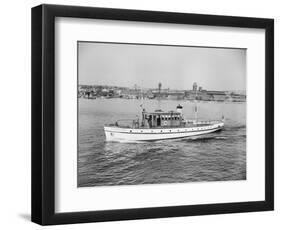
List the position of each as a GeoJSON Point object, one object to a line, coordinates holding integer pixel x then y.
{"type": "Point", "coordinates": [158, 121]}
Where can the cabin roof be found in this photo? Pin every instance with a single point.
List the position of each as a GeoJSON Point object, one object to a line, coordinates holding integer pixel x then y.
{"type": "Point", "coordinates": [160, 112]}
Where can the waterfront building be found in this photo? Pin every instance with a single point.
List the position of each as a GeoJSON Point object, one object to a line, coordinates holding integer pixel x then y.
{"type": "Point", "coordinates": [194, 87]}
{"type": "Point", "coordinates": [217, 95]}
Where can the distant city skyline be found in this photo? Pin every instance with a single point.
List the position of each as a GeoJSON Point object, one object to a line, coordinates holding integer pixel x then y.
{"type": "Point", "coordinates": [176, 68]}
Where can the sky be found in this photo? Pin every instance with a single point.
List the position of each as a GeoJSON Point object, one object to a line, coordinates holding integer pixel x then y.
{"type": "Point", "coordinates": [176, 67]}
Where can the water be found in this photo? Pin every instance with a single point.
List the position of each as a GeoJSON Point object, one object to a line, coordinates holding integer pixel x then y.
{"type": "Point", "coordinates": [219, 156]}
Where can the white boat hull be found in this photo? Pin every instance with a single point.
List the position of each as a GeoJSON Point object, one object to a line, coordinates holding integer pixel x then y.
{"type": "Point", "coordinates": [119, 134]}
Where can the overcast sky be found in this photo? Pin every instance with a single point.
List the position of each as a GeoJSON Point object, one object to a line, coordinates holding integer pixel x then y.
{"type": "Point", "coordinates": [175, 67]}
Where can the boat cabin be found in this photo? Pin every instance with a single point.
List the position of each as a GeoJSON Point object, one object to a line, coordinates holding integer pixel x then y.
{"type": "Point", "coordinates": [158, 118]}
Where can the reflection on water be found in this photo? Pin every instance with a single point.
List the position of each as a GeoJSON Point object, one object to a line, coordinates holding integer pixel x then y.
{"type": "Point", "coordinates": [217, 156]}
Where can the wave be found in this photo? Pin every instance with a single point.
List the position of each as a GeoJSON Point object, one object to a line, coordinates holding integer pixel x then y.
{"type": "Point", "coordinates": [221, 138]}
{"type": "Point", "coordinates": [234, 128]}
{"type": "Point", "coordinates": [203, 138]}
{"type": "Point", "coordinates": [127, 142]}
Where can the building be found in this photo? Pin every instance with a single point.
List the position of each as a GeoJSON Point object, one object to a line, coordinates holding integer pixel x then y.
{"type": "Point", "coordinates": [176, 95]}
{"type": "Point", "coordinates": [194, 87]}
{"type": "Point", "coordinates": [217, 95]}
{"type": "Point", "coordinates": [237, 97]}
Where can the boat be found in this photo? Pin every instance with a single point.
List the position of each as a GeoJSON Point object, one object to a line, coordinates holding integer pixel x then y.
{"type": "Point", "coordinates": [160, 125]}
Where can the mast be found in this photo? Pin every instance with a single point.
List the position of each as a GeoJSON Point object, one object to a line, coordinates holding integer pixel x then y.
{"type": "Point", "coordinates": [142, 107]}
{"type": "Point", "coordinates": [159, 95]}
{"type": "Point", "coordinates": [195, 109]}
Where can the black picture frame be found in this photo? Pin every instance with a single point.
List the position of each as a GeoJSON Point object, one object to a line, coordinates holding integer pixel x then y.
{"type": "Point", "coordinates": [43, 114]}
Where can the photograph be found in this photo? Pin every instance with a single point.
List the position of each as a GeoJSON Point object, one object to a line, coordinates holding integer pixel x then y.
{"type": "Point", "coordinates": [154, 114]}
{"type": "Point", "coordinates": [140, 113]}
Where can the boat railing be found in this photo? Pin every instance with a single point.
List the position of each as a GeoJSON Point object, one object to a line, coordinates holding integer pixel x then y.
{"type": "Point", "coordinates": [198, 122]}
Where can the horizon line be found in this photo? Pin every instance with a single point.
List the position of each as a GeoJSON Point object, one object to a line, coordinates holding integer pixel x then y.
{"type": "Point", "coordinates": [132, 87]}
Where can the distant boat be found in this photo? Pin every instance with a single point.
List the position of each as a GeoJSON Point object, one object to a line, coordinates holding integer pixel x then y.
{"type": "Point", "coordinates": [160, 125]}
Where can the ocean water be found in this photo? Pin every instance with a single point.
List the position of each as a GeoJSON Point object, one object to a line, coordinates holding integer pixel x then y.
{"type": "Point", "coordinates": [219, 156]}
